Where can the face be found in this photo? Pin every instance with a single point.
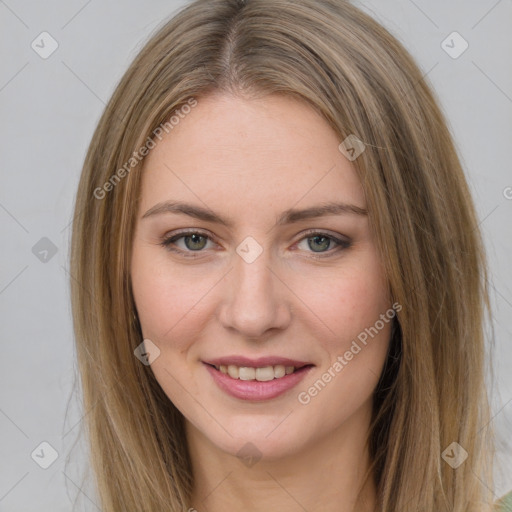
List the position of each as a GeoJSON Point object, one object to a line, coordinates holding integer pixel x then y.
{"type": "Point", "coordinates": [235, 270]}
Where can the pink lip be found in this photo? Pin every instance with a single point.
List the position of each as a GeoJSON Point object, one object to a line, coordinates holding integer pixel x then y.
{"type": "Point", "coordinates": [256, 363]}
{"type": "Point", "coordinates": [253, 389]}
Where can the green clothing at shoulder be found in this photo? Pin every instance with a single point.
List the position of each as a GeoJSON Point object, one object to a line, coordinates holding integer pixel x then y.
{"type": "Point", "coordinates": [504, 504]}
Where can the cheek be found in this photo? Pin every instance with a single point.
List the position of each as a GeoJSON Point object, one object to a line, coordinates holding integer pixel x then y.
{"type": "Point", "coordinates": [354, 349]}
{"type": "Point", "coordinates": [170, 301]}
{"type": "Point", "coordinates": [351, 304]}
{"type": "Point", "coordinates": [155, 291]}
{"type": "Point", "coordinates": [360, 303]}
{"type": "Point", "coordinates": [347, 300]}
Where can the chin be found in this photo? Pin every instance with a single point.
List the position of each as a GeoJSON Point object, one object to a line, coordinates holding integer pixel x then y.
{"type": "Point", "coordinates": [267, 439]}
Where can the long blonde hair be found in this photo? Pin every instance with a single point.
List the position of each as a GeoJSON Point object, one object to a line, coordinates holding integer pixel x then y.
{"type": "Point", "coordinates": [361, 79]}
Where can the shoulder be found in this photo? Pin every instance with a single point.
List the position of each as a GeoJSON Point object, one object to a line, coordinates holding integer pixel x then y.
{"type": "Point", "coordinates": [504, 504]}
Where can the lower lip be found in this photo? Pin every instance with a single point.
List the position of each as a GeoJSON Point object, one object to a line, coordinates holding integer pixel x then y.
{"type": "Point", "coordinates": [254, 389]}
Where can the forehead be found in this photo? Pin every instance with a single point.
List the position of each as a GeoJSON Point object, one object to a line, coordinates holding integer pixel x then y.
{"type": "Point", "coordinates": [269, 152]}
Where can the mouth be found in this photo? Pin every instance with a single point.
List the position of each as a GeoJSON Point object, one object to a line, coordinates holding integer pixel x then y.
{"type": "Point", "coordinates": [259, 373]}
{"type": "Point", "coordinates": [257, 380]}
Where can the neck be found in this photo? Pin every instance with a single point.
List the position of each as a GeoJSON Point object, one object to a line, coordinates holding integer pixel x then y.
{"type": "Point", "coordinates": [327, 474]}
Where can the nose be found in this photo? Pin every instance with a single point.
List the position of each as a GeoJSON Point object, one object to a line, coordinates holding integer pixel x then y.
{"type": "Point", "coordinates": [255, 299]}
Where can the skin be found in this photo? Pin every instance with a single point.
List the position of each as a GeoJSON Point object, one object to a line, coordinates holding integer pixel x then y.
{"type": "Point", "coordinates": [249, 160]}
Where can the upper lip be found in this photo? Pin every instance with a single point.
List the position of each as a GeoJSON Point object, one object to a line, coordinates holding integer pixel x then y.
{"type": "Point", "coordinates": [259, 362]}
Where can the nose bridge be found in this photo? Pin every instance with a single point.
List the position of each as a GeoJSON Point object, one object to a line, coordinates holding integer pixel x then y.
{"type": "Point", "coordinates": [255, 301]}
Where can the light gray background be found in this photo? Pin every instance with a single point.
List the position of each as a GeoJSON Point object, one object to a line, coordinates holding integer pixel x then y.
{"type": "Point", "coordinates": [49, 109]}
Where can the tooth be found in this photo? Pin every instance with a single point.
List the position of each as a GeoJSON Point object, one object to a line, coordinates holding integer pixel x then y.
{"type": "Point", "coordinates": [265, 373]}
{"type": "Point", "coordinates": [233, 371]}
{"type": "Point", "coordinates": [279, 371]}
{"type": "Point", "coordinates": [246, 373]}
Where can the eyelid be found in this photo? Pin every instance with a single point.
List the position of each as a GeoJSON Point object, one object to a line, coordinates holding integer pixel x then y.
{"type": "Point", "coordinates": [189, 231]}
{"type": "Point", "coordinates": [167, 240]}
{"type": "Point", "coordinates": [336, 238]}
{"type": "Point", "coordinates": [342, 244]}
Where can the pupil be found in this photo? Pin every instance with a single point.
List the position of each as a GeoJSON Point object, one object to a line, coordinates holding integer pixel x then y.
{"type": "Point", "coordinates": [327, 240]}
{"type": "Point", "coordinates": [195, 237]}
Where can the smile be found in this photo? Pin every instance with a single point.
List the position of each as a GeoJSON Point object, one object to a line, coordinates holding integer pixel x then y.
{"type": "Point", "coordinates": [257, 383]}
{"type": "Point", "coordinates": [261, 374]}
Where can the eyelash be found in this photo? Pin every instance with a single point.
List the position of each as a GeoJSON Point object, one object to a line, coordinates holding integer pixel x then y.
{"type": "Point", "coordinates": [342, 244]}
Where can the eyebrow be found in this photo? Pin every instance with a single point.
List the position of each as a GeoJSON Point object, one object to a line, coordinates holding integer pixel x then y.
{"type": "Point", "coordinates": [287, 217]}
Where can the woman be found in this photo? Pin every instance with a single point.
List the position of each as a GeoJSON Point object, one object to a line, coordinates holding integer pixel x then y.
{"type": "Point", "coordinates": [278, 274]}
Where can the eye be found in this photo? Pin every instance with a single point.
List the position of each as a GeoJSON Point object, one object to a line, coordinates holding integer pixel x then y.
{"type": "Point", "coordinates": [195, 241]}
{"type": "Point", "coordinates": [318, 242]}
